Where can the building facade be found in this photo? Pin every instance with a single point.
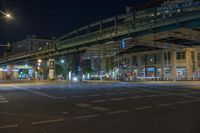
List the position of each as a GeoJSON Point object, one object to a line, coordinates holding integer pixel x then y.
{"type": "Point", "coordinates": [24, 70]}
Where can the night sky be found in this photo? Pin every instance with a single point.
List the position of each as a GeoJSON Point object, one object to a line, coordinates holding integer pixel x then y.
{"type": "Point", "coordinates": [47, 18]}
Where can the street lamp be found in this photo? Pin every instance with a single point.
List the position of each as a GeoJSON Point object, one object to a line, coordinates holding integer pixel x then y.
{"type": "Point", "coordinates": [6, 14]}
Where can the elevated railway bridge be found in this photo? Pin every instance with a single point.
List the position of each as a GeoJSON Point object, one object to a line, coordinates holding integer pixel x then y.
{"type": "Point", "coordinates": [107, 43]}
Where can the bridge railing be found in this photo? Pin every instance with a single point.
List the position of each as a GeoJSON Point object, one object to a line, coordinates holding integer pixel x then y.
{"type": "Point", "coordinates": [124, 24]}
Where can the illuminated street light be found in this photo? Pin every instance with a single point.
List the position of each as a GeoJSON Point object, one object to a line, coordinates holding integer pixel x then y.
{"type": "Point", "coordinates": [6, 14]}
{"type": "Point", "coordinates": [62, 61]}
{"type": "Point", "coordinates": [39, 60]}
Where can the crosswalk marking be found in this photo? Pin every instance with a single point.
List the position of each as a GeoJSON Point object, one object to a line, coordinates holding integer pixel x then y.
{"type": "Point", "coordinates": [3, 99]}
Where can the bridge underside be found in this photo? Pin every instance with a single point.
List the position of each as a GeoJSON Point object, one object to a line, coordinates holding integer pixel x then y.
{"type": "Point", "coordinates": [150, 56]}
{"type": "Point", "coordinates": [173, 39]}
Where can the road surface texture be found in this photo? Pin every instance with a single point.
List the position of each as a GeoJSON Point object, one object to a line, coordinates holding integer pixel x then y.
{"type": "Point", "coordinates": [100, 107]}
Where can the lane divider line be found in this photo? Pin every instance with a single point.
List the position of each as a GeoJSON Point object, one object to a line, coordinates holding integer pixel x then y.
{"type": "Point", "coordinates": [136, 97]}
{"type": "Point", "coordinates": [117, 112]}
{"type": "Point", "coordinates": [143, 108]}
{"type": "Point", "coordinates": [99, 108]}
{"type": "Point", "coordinates": [118, 99]}
{"type": "Point", "coordinates": [95, 95]}
{"type": "Point", "coordinates": [99, 101]}
{"type": "Point", "coordinates": [110, 94]}
{"type": "Point", "coordinates": [47, 121]}
{"type": "Point", "coordinates": [181, 102]}
{"type": "Point", "coordinates": [124, 93]}
{"type": "Point", "coordinates": [64, 113]}
{"type": "Point", "coordinates": [153, 96]}
{"type": "Point", "coordinates": [86, 116]}
{"type": "Point", "coordinates": [77, 96]}
{"type": "Point", "coordinates": [165, 104]}
{"type": "Point", "coordinates": [9, 126]}
{"type": "Point", "coordinates": [84, 105]}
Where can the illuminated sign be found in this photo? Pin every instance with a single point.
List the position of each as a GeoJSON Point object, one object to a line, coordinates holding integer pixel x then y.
{"type": "Point", "coordinates": [122, 44]}
{"type": "Point", "coordinates": [177, 4]}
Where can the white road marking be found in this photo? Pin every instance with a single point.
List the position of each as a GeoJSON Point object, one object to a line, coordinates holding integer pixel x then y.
{"type": "Point", "coordinates": [196, 100]}
{"type": "Point", "coordinates": [4, 101]}
{"type": "Point", "coordinates": [186, 96]}
{"type": "Point", "coordinates": [124, 93]}
{"type": "Point", "coordinates": [2, 98]}
{"type": "Point", "coordinates": [136, 97]}
{"type": "Point", "coordinates": [165, 104]}
{"type": "Point", "coordinates": [117, 112]}
{"type": "Point", "coordinates": [110, 94]}
{"type": "Point", "coordinates": [99, 101]}
{"type": "Point", "coordinates": [39, 93]}
{"type": "Point", "coordinates": [118, 99]}
{"type": "Point", "coordinates": [84, 105]}
{"type": "Point", "coordinates": [78, 96]}
{"type": "Point", "coordinates": [60, 97]}
{"type": "Point", "coordinates": [143, 108]}
{"type": "Point", "coordinates": [152, 96]}
{"type": "Point", "coordinates": [166, 94]}
{"type": "Point", "coordinates": [100, 108]}
{"type": "Point", "coordinates": [183, 102]}
{"type": "Point", "coordinates": [97, 95]}
{"type": "Point", "coordinates": [9, 126]}
{"type": "Point", "coordinates": [86, 116]}
{"type": "Point", "coordinates": [64, 113]}
{"type": "Point", "coordinates": [47, 121]}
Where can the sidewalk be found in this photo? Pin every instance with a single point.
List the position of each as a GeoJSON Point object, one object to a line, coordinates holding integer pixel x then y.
{"type": "Point", "coordinates": [96, 81]}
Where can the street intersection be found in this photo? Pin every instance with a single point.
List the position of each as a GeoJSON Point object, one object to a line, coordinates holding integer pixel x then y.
{"type": "Point", "coordinates": [100, 107]}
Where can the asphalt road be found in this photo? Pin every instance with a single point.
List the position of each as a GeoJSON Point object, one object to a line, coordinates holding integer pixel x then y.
{"type": "Point", "coordinates": [100, 107]}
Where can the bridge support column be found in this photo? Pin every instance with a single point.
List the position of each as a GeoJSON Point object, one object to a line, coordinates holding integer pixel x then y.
{"type": "Point", "coordinates": [188, 63]}
{"type": "Point", "coordinates": [11, 72]}
{"type": "Point", "coordinates": [196, 64]}
{"type": "Point", "coordinates": [173, 66]}
{"type": "Point", "coordinates": [191, 64]}
{"type": "Point", "coordinates": [45, 69]}
{"type": "Point", "coordinates": [51, 69]}
{"type": "Point", "coordinates": [162, 65]}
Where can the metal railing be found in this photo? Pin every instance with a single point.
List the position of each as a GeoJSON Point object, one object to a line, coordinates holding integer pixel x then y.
{"type": "Point", "coordinates": [126, 24]}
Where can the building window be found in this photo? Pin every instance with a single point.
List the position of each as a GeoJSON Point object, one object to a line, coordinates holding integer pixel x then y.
{"type": "Point", "coordinates": [167, 56]}
{"type": "Point", "coordinates": [134, 61]}
{"type": "Point", "coordinates": [180, 55]}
